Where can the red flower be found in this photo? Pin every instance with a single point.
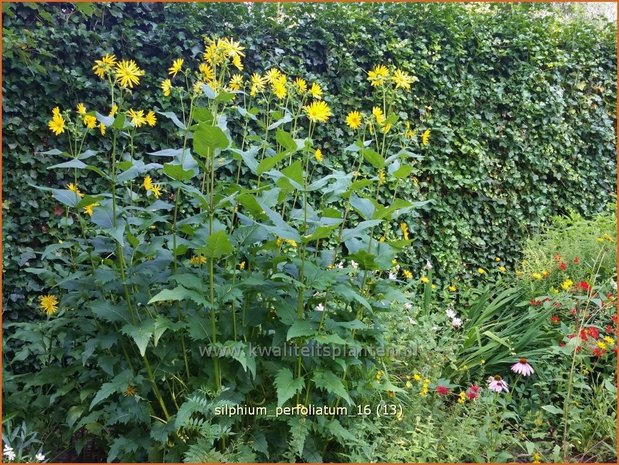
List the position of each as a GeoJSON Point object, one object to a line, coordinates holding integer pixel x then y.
{"type": "Point", "coordinates": [442, 390]}
{"type": "Point", "coordinates": [472, 392]}
{"type": "Point", "coordinates": [555, 319]}
{"type": "Point", "coordinates": [593, 332]}
{"type": "Point", "coordinates": [573, 311]}
{"type": "Point", "coordinates": [614, 318]}
{"type": "Point", "coordinates": [598, 352]}
{"type": "Point", "coordinates": [584, 285]}
{"type": "Point", "coordinates": [557, 305]}
{"type": "Point", "coordinates": [535, 302]}
{"type": "Point", "coordinates": [562, 266]}
{"type": "Point", "coordinates": [583, 334]}
{"type": "Point", "coordinates": [609, 329]}
{"type": "Point", "coordinates": [576, 260]}
{"type": "Point", "coordinates": [556, 257]}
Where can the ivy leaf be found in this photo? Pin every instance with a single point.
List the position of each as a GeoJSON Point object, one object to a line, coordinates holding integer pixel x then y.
{"type": "Point", "coordinates": [287, 386]}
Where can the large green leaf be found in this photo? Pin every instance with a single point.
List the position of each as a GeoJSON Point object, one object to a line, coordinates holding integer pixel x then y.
{"type": "Point", "coordinates": [208, 139]}
{"type": "Point", "coordinates": [217, 245]}
{"type": "Point", "coordinates": [332, 383]}
{"type": "Point", "coordinates": [287, 386]}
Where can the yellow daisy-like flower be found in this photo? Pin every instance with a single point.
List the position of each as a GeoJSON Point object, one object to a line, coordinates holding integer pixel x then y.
{"type": "Point", "coordinates": [279, 89]}
{"type": "Point", "coordinates": [148, 183]}
{"type": "Point", "coordinates": [242, 265]}
{"type": "Point", "coordinates": [90, 209]}
{"type": "Point", "coordinates": [102, 129]}
{"type": "Point", "coordinates": [128, 73]}
{"type": "Point", "coordinates": [378, 76]}
{"type": "Point", "coordinates": [425, 137]}
{"type": "Point", "coordinates": [233, 49]}
{"type": "Point", "coordinates": [90, 121]}
{"type": "Point", "coordinates": [150, 118]}
{"type": "Point", "coordinates": [602, 345]}
{"type": "Point", "coordinates": [56, 124]}
{"type": "Point", "coordinates": [402, 80]}
{"type": "Point", "coordinates": [565, 285]}
{"type": "Point", "coordinates": [537, 276]}
{"type": "Point", "coordinates": [381, 177]}
{"type": "Point", "coordinates": [497, 259]}
{"type": "Point", "coordinates": [379, 115]}
{"type": "Point", "coordinates": [481, 270]}
{"type": "Point", "coordinates": [137, 117]}
{"type": "Point", "coordinates": [56, 111]}
{"type": "Point", "coordinates": [114, 110]}
{"type": "Point", "coordinates": [462, 397]}
{"type": "Point", "coordinates": [166, 87]}
{"type": "Point", "coordinates": [318, 112]}
{"type": "Point", "coordinates": [408, 132]}
{"type": "Point", "coordinates": [197, 260]}
{"type": "Point", "coordinates": [238, 64]}
{"type": "Point", "coordinates": [537, 457]}
{"type": "Point", "coordinates": [236, 82]}
{"type": "Point", "coordinates": [272, 75]}
{"type": "Point", "coordinates": [81, 109]}
{"type": "Point", "coordinates": [502, 269]}
{"type": "Point", "coordinates": [318, 155]}
{"type": "Point", "coordinates": [177, 65]}
{"type": "Point", "coordinates": [300, 86]}
{"type": "Point", "coordinates": [104, 65]}
{"type": "Point", "coordinates": [131, 391]}
{"type": "Point", "coordinates": [354, 120]}
{"type": "Point", "coordinates": [207, 71]}
{"type": "Point", "coordinates": [417, 377]}
{"type": "Point", "coordinates": [73, 188]}
{"type": "Point", "coordinates": [407, 274]}
{"type": "Point", "coordinates": [257, 84]}
{"type": "Point", "coordinates": [156, 190]}
{"type": "Point", "coordinates": [452, 288]}
{"type": "Point", "coordinates": [316, 91]}
{"type": "Point", "coordinates": [48, 304]}
{"type": "Point", "coordinates": [424, 279]}
{"type": "Point", "coordinates": [609, 340]}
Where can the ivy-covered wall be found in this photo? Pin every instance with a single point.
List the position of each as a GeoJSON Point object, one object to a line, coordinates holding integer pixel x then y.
{"type": "Point", "coordinates": [521, 105]}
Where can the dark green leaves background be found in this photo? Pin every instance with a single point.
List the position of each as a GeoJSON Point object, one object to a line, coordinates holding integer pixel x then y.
{"type": "Point", "coordinates": [521, 108]}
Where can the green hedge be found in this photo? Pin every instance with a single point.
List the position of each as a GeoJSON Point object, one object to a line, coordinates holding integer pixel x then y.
{"type": "Point", "coordinates": [521, 106]}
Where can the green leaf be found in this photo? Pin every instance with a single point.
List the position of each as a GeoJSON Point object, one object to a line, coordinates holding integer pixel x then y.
{"type": "Point", "coordinates": [177, 172]}
{"type": "Point", "coordinates": [119, 383]}
{"type": "Point", "coordinates": [284, 139]}
{"type": "Point", "coordinates": [552, 409]}
{"type": "Point", "coordinates": [177, 294]}
{"type": "Point", "coordinates": [330, 382]}
{"type": "Point", "coordinates": [217, 245]}
{"type": "Point", "coordinates": [75, 163]}
{"type": "Point", "coordinates": [287, 386]}
{"type": "Point", "coordinates": [300, 328]}
{"type": "Point", "coordinates": [172, 116]}
{"type": "Point", "coordinates": [374, 158]}
{"type": "Point", "coordinates": [66, 197]}
{"type": "Point", "coordinates": [207, 139]}
{"type": "Point", "coordinates": [267, 163]}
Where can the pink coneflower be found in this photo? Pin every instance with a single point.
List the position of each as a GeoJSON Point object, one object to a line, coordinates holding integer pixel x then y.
{"type": "Point", "coordinates": [442, 390]}
{"type": "Point", "coordinates": [473, 392]}
{"type": "Point", "coordinates": [496, 384]}
{"type": "Point", "coordinates": [523, 368]}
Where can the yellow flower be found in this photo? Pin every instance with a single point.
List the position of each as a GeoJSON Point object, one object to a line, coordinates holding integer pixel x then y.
{"type": "Point", "coordinates": [233, 49]}
{"type": "Point", "coordinates": [452, 288]}
{"type": "Point", "coordinates": [502, 269]}
{"type": "Point", "coordinates": [102, 129]}
{"type": "Point", "coordinates": [90, 209]}
{"type": "Point", "coordinates": [128, 73]}
{"type": "Point", "coordinates": [318, 155]}
{"type": "Point", "coordinates": [425, 137]}
{"type": "Point", "coordinates": [104, 65]}
{"type": "Point", "coordinates": [537, 457]}
{"type": "Point", "coordinates": [545, 273]}
{"type": "Point", "coordinates": [609, 340]}
{"type": "Point", "coordinates": [379, 375]}
{"type": "Point", "coordinates": [407, 274]}
{"type": "Point", "coordinates": [565, 285]}
{"type": "Point", "coordinates": [402, 80]}
{"type": "Point", "coordinates": [602, 345]}
{"type": "Point", "coordinates": [404, 228]}
{"type": "Point", "coordinates": [81, 109]}
{"type": "Point", "coordinates": [73, 188]}
{"type": "Point", "coordinates": [378, 75]}
{"type": "Point", "coordinates": [236, 61]}
{"type": "Point", "coordinates": [291, 242]}
{"type": "Point", "coordinates": [236, 83]}
{"type": "Point", "coordinates": [90, 121]}
{"type": "Point", "coordinates": [114, 110]}
{"type": "Point", "coordinates": [197, 260]}
{"type": "Point", "coordinates": [49, 304]}
{"type": "Point", "coordinates": [208, 74]}
{"type": "Point", "coordinates": [156, 190]}
{"type": "Point", "coordinates": [176, 67]}
{"type": "Point", "coordinates": [316, 91]}
{"type": "Point", "coordinates": [148, 183]}
{"type": "Point", "coordinates": [279, 89]}
{"type": "Point", "coordinates": [318, 112]}
{"type": "Point", "coordinates": [242, 265]}
{"type": "Point", "coordinates": [56, 111]}
{"type": "Point", "coordinates": [608, 237]}
{"type": "Point", "coordinates": [272, 75]}
{"type": "Point", "coordinates": [150, 118]}
{"type": "Point", "coordinates": [481, 270]}
{"type": "Point", "coordinates": [257, 84]}
{"type": "Point", "coordinates": [137, 117]}
{"type": "Point", "coordinates": [381, 177]}
{"type": "Point", "coordinates": [379, 115]}
{"type": "Point", "coordinates": [462, 397]}
{"type": "Point", "coordinates": [166, 87]}
{"type": "Point", "coordinates": [130, 391]}
{"type": "Point", "coordinates": [537, 276]}
{"type": "Point", "coordinates": [56, 124]}
{"type": "Point", "coordinates": [300, 86]}
{"type": "Point", "coordinates": [409, 133]}
{"type": "Point", "coordinates": [424, 280]}
{"type": "Point", "coordinates": [497, 259]}
{"type": "Point", "coordinates": [354, 120]}
{"type": "Point", "coordinates": [417, 377]}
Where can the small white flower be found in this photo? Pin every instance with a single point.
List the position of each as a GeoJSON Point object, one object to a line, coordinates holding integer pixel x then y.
{"type": "Point", "coordinates": [354, 264]}
{"type": "Point", "coordinates": [320, 308]}
{"type": "Point", "coordinates": [40, 457]}
{"type": "Point", "coordinates": [450, 313]}
{"type": "Point", "coordinates": [412, 321]}
{"type": "Point", "coordinates": [340, 265]}
{"type": "Point", "coordinates": [428, 265]}
{"type": "Point", "coordinates": [8, 452]}
{"type": "Point", "coordinates": [456, 322]}
{"type": "Point", "coordinates": [393, 276]}
{"type": "Point", "coordinates": [408, 306]}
